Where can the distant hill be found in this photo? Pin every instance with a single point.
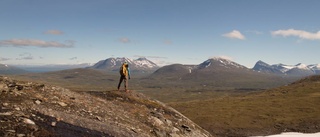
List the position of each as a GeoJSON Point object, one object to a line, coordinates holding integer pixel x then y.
{"type": "Point", "coordinates": [51, 67]}
{"type": "Point", "coordinates": [299, 70]}
{"type": "Point", "coordinates": [173, 71]}
{"type": "Point", "coordinates": [76, 79]}
{"type": "Point", "coordinates": [7, 69]}
{"type": "Point", "coordinates": [217, 72]}
{"type": "Point", "coordinates": [140, 65]}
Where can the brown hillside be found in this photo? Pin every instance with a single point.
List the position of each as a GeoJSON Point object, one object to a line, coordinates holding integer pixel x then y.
{"type": "Point", "coordinates": [32, 109]}
{"type": "Point", "coordinates": [292, 108]}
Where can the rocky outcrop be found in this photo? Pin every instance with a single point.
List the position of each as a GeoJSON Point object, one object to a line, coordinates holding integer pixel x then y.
{"type": "Point", "coordinates": [33, 109]}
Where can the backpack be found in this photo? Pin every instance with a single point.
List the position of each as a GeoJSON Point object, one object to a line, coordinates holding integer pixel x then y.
{"type": "Point", "coordinates": [123, 70]}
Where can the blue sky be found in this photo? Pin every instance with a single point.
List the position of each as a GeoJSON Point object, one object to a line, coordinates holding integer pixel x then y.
{"type": "Point", "coordinates": [42, 32]}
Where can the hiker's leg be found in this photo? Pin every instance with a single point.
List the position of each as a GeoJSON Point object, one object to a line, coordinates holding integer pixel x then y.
{"type": "Point", "coordinates": [126, 83]}
{"type": "Point", "coordinates": [120, 81]}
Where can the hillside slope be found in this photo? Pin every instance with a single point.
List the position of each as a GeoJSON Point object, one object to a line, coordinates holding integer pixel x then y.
{"type": "Point", "coordinates": [33, 109]}
{"type": "Point", "coordinates": [292, 108]}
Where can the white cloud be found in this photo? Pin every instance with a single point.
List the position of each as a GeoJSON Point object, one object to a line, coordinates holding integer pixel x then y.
{"type": "Point", "coordinates": [4, 59]}
{"type": "Point", "coordinates": [25, 56]}
{"type": "Point", "coordinates": [35, 43]}
{"type": "Point", "coordinates": [124, 40]}
{"type": "Point", "coordinates": [54, 32]}
{"type": "Point", "coordinates": [167, 42]}
{"type": "Point", "coordinates": [235, 34]}
{"type": "Point", "coordinates": [297, 33]}
{"type": "Point", "coordinates": [73, 58]}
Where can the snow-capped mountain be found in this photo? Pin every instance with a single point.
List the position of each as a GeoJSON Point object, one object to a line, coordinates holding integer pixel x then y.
{"type": "Point", "coordinates": [137, 65]}
{"type": "Point", "coordinates": [145, 63]}
{"type": "Point", "coordinates": [212, 65]}
{"type": "Point", "coordinates": [111, 63]}
{"type": "Point", "coordinates": [291, 70]}
{"type": "Point", "coordinates": [261, 66]}
{"type": "Point", "coordinates": [219, 62]}
{"type": "Point", "coordinates": [315, 68]}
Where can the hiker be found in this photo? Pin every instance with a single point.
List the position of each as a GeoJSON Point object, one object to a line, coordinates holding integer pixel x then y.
{"type": "Point", "coordinates": [124, 75]}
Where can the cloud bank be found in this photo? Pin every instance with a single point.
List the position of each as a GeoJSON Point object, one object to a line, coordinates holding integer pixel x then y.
{"type": "Point", "coordinates": [235, 34]}
{"type": "Point", "coordinates": [35, 43]}
{"type": "Point", "coordinates": [297, 33]}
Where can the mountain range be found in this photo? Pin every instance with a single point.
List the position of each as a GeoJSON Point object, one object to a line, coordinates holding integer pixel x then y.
{"type": "Point", "coordinates": [142, 65]}
{"type": "Point", "coordinates": [299, 70]}
{"type": "Point", "coordinates": [145, 66]}
{"type": "Point", "coordinates": [216, 72]}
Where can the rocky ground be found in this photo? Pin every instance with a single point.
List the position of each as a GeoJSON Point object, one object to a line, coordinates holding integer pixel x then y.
{"type": "Point", "coordinates": [33, 109]}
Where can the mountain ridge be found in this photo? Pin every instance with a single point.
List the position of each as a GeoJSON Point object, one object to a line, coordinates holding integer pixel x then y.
{"type": "Point", "coordinates": [142, 65]}
{"type": "Point", "coordinates": [216, 72]}
{"type": "Point", "coordinates": [299, 69]}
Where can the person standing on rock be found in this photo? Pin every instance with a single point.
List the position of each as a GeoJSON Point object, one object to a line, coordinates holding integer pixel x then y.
{"type": "Point", "coordinates": [124, 76]}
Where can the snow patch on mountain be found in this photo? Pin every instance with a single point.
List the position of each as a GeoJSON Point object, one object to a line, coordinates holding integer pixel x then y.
{"type": "Point", "coordinates": [302, 66]}
{"type": "Point", "coordinates": [294, 134]}
{"type": "Point", "coordinates": [121, 60]}
{"type": "Point", "coordinates": [287, 67]}
{"type": "Point", "coordinates": [143, 62]}
{"type": "Point", "coordinates": [207, 63]}
{"type": "Point", "coordinates": [282, 67]}
{"type": "Point", "coordinates": [113, 62]}
{"type": "Point", "coordinates": [221, 62]}
{"type": "Point", "coordinates": [314, 66]}
{"type": "Point", "coordinates": [227, 62]}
